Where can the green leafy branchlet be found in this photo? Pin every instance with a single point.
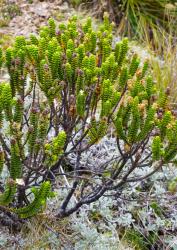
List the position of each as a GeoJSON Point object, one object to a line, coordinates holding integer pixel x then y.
{"type": "Point", "coordinates": [68, 88]}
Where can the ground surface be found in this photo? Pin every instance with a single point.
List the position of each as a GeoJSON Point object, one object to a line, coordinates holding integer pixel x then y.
{"type": "Point", "coordinates": [35, 15]}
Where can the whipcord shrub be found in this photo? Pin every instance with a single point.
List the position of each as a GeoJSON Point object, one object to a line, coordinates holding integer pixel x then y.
{"type": "Point", "coordinates": [69, 86]}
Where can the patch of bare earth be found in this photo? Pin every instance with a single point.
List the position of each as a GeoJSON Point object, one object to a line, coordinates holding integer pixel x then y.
{"type": "Point", "coordinates": [35, 15]}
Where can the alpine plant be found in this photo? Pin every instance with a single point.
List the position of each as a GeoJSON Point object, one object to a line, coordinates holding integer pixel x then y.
{"type": "Point", "coordinates": [68, 87]}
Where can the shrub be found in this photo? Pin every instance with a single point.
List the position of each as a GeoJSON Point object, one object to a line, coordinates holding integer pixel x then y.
{"type": "Point", "coordinates": [68, 88]}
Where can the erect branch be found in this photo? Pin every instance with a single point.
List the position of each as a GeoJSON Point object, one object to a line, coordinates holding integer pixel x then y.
{"type": "Point", "coordinates": [87, 201]}
{"type": "Point", "coordinates": [74, 186]}
{"type": "Point", "coordinates": [4, 145]}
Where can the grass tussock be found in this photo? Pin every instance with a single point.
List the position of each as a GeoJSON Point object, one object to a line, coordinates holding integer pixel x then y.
{"type": "Point", "coordinates": [164, 68]}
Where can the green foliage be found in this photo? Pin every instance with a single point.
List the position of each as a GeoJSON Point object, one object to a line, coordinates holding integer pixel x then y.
{"type": "Point", "coordinates": [156, 148]}
{"type": "Point", "coordinates": [157, 209]}
{"type": "Point", "coordinates": [54, 149]}
{"type": "Point", "coordinates": [68, 87]}
{"type": "Point", "coordinates": [15, 164]}
{"type": "Point", "coordinates": [38, 203]}
{"type": "Point", "coordinates": [10, 190]}
{"type": "Point", "coordinates": [136, 239]}
{"type": "Point", "coordinates": [80, 105]}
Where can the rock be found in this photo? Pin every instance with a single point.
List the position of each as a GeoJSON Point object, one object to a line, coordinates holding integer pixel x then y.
{"type": "Point", "coordinates": [41, 10]}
